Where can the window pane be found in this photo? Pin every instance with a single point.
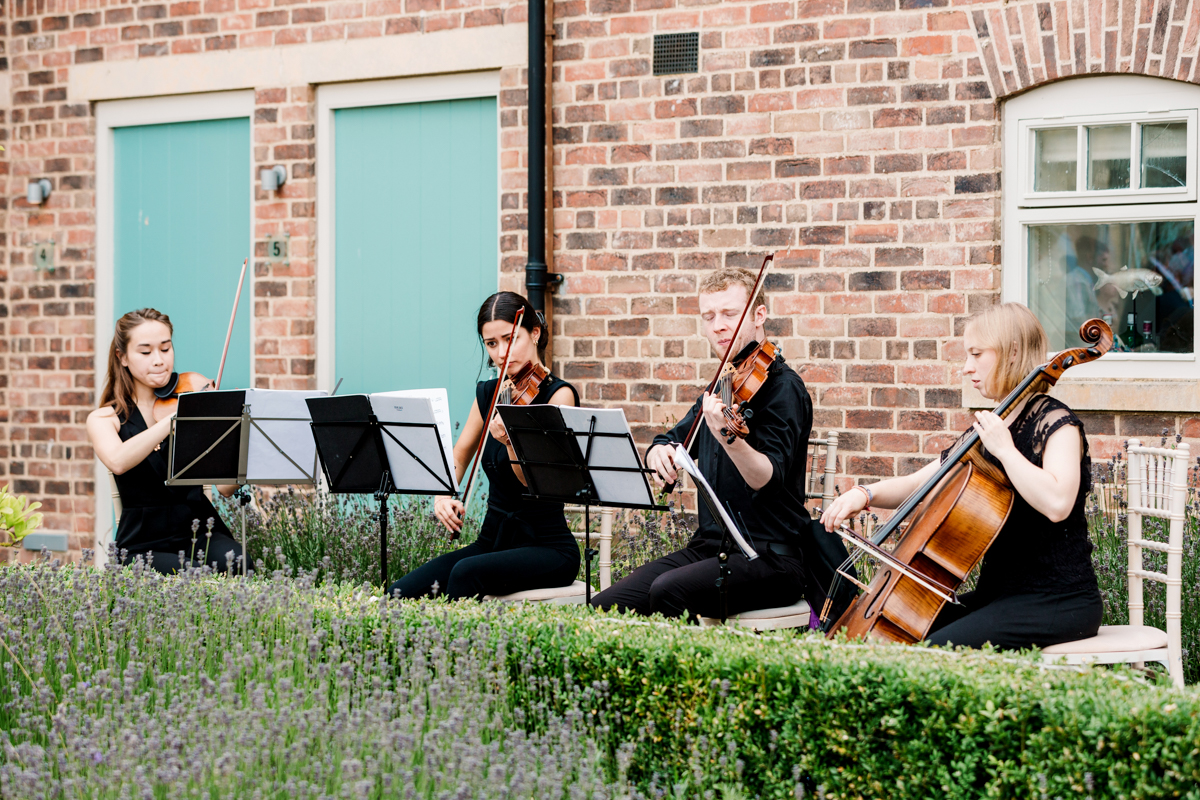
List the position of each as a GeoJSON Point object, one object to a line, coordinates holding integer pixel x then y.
{"type": "Point", "coordinates": [1108, 157]}
{"type": "Point", "coordinates": [1139, 271]}
{"type": "Point", "coordinates": [1056, 160]}
{"type": "Point", "coordinates": [1164, 155]}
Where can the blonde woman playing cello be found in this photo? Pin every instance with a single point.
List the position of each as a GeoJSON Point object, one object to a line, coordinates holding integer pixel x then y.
{"type": "Point", "coordinates": [1036, 585]}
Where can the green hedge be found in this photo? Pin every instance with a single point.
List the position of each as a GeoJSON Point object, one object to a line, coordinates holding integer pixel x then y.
{"type": "Point", "coordinates": [661, 709]}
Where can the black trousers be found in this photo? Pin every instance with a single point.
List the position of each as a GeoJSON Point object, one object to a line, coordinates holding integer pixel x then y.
{"type": "Point", "coordinates": [1019, 621]}
{"type": "Point", "coordinates": [477, 570]}
{"type": "Point", "coordinates": [684, 583]}
{"type": "Point", "coordinates": [215, 556]}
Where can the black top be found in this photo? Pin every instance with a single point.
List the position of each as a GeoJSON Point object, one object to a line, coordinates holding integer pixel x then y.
{"type": "Point", "coordinates": [514, 520]}
{"type": "Point", "coordinates": [155, 516]}
{"type": "Point", "coordinates": [779, 429]}
{"type": "Point", "coordinates": [1031, 553]}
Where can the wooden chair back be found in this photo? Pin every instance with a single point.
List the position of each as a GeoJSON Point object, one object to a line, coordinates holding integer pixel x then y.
{"type": "Point", "coordinates": [822, 468]}
{"type": "Point", "coordinates": [1157, 487]}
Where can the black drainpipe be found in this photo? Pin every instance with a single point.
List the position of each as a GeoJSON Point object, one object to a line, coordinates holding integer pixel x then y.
{"type": "Point", "coordinates": [536, 275]}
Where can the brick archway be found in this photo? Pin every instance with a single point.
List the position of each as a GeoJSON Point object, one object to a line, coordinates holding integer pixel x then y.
{"type": "Point", "coordinates": [1026, 44]}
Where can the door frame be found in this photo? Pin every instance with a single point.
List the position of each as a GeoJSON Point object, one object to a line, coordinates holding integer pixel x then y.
{"type": "Point", "coordinates": [335, 96]}
{"type": "Point", "coordinates": [122, 114]}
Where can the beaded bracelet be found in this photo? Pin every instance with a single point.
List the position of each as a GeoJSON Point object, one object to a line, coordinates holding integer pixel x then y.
{"type": "Point", "coordinates": [868, 493]}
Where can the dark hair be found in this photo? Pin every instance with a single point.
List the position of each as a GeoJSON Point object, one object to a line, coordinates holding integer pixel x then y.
{"type": "Point", "coordinates": [503, 306]}
{"type": "Point", "coordinates": [118, 389]}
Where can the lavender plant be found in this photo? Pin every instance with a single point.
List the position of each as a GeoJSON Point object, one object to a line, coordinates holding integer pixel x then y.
{"type": "Point", "coordinates": [141, 685]}
{"type": "Point", "coordinates": [338, 535]}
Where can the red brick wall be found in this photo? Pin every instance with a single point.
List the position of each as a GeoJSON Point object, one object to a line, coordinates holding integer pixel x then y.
{"type": "Point", "coordinates": [858, 138]}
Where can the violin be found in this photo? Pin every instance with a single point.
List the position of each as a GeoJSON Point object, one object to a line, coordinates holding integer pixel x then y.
{"type": "Point", "coordinates": [167, 396]}
{"type": "Point", "coordinates": [523, 388]}
{"type": "Point", "coordinates": [735, 422]}
{"type": "Point", "coordinates": [738, 385]}
{"type": "Point", "coordinates": [948, 524]}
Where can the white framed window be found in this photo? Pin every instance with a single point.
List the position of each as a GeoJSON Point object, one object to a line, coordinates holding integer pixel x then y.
{"type": "Point", "coordinates": [1099, 217]}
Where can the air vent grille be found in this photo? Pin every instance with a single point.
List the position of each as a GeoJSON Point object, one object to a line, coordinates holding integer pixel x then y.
{"type": "Point", "coordinates": [675, 53]}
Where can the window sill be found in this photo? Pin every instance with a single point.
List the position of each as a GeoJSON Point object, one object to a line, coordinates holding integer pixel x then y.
{"type": "Point", "coordinates": [1123, 395]}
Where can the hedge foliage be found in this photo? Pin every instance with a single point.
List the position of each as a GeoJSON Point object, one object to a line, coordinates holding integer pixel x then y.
{"type": "Point", "coordinates": [663, 709]}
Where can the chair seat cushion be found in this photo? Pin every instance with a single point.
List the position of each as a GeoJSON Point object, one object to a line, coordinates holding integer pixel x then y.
{"type": "Point", "coordinates": [1114, 639]}
{"type": "Point", "coordinates": [796, 609]}
{"type": "Point", "coordinates": [576, 589]}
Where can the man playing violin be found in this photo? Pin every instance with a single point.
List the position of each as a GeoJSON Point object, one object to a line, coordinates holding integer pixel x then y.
{"type": "Point", "coordinates": [760, 478]}
{"type": "Point", "coordinates": [167, 525]}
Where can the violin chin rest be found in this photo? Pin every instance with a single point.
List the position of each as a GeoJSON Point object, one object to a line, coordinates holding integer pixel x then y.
{"type": "Point", "coordinates": [165, 391]}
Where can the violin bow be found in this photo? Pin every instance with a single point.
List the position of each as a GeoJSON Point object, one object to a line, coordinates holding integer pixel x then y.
{"type": "Point", "coordinates": [232, 318]}
{"type": "Point", "coordinates": [695, 429]}
{"type": "Point", "coordinates": [487, 420]}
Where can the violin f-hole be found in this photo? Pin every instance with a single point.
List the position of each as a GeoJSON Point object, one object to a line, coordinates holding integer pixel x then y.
{"type": "Point", "coordinates": [887, 578]}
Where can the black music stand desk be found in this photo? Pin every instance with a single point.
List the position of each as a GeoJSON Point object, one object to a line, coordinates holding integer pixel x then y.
{"type": "Point", "coordinates": [579, 455]}
{"type": "Point", "coordinates": [244, 437]}
{"type": "Point", "coordinates": [382, 444]}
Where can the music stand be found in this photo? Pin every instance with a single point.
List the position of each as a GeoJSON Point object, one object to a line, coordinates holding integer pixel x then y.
{"type": "Point", "coordinates": [244, 437]}
{"type": "Point", "coordinates": [380, 445]}
{"type": "Point", "coordinates": [579, 455]}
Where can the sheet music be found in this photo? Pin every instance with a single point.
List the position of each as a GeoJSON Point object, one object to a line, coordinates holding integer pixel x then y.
{"type": "Point", "coordinates": [684, 461]}
{"type": "Point", "coordinates": [440, 402]}
{"type": "Point", "coordinates": [417, 406]}
{"type": "Point", "coordinates": [272, 438]}
{"type": "Point", "coordinates": [609, 451]}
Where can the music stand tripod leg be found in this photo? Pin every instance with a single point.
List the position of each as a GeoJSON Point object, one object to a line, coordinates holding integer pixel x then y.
{"type": "Point", "coordinates": [382, 496]}
{"type": "Point", "coordinates": [243, 497]}
{"type": "Point", "coordinates": [588, 553]}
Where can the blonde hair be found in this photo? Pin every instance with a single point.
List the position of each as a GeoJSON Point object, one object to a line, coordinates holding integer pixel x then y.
{"type": "Point", "coordinates": [721, 279]}
{"type": "Point", "coordinates": [1020, 343]}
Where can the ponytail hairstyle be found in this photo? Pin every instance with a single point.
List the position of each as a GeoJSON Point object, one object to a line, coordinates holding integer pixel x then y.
{"type": "Point", "coordinates": [503, 306]}
{"type": "Point", "coordinates": [118, 389]}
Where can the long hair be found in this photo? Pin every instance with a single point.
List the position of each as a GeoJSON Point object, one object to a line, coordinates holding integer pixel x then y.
{"type": "Point", "coordinates": [503, 306]}
{"type": "Point", "coordinates": [118, 388]}
{"type": "Point", "coordinates": [1020, 343]}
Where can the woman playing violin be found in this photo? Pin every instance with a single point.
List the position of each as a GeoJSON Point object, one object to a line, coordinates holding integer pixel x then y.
{"type": "Point", "coordinates": [523, 544]}
{"type": "Point", "coordinates": [157, 520]}
{"type": "Point", "coordinates": [1036, 584]}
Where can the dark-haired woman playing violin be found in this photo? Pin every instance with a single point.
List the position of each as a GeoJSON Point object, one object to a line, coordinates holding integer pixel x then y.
{"type": "Point", "coordinates": [1036, 585]}
{"type": "Point", "coordinates": [157, 520]}
{"type": "Point", "coordinates": [523, 544]}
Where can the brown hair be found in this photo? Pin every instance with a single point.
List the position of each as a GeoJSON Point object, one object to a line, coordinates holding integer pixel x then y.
{"type": "Point", "coordinates": [118, 389]}
{"type": "Point", "coordinates": [1011, 330]}
{"type": "Point", "coordinates": [721, 279]}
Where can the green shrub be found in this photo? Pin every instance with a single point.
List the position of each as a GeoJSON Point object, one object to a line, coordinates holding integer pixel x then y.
{"type": "Point", "coordinates": [192, 685]}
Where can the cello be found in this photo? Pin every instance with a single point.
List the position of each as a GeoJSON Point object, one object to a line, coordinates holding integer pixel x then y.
{"type": "Point", "coordinates": [946, 526]}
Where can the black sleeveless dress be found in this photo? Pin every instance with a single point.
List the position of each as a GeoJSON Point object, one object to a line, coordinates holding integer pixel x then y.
{"type": "Point", "coordinates": [156, 517]}
{"type": "Point", "coordinates": [512, 519]}
{"type": "Point", "coordinates": [523, 543]}
{"type": "Point", "coordinates": [1036, 584]}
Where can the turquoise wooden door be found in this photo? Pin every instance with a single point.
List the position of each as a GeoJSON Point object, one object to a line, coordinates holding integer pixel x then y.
{"type": "Point", "coordinates": [181, 231]}
{"type": "Point", "coordinates": [416, 247]}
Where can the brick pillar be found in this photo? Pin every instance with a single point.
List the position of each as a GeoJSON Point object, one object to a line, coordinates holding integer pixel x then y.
{"type": "Point", "coordinates": [285, 343]}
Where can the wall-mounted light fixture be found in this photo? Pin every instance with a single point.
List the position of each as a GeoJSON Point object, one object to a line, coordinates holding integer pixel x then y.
{"type": "Point", "coordinates": [272, 178]}
{"type": "Point", "coordinates": [37, 192]}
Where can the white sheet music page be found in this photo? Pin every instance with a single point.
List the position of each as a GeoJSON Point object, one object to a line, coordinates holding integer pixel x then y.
{"type": "Point", "coordinates": [609, 451]}
{"type": "Point", "coordinates": [281, 431]}
{"type": "Point", "coordinates": [417, 406]}
{"type": "Point", "coordinates": [685, 462]}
